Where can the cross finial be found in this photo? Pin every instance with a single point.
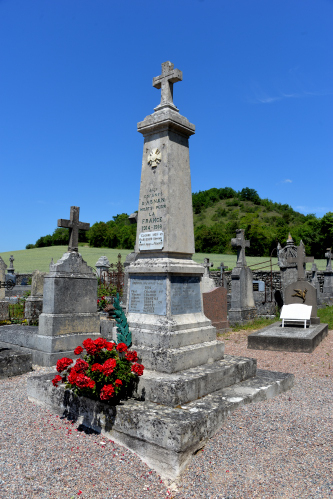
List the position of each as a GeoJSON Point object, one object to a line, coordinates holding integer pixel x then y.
{"type": "Point", "coordinates": [11, 260]}
{"type": "Point", "coordinates": [207, 264]}
{"type": "Point", "coordinates": [74, 226]}
{"type": "Point", "coordinates": [240, 243]}
{"type": "Point", "coordinates": [300, 260]}
{"type": "Point", "coordinates": [328, 256]}
{"type": "Point", "coordinates": [165, 82]}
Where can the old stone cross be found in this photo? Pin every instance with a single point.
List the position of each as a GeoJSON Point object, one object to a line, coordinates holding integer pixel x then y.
{"type": "Point", "coordinates": [207, 265]}
{"type": "Point", "coordinates": [11, 261]}
{"type": "Point", "coordinates": [328, 256]}
{"type": "Point", "coordinates": [74, 226]}
{"type": "Point", "coordinates": [240, 242]}
{"type": "Point", "coordinates": [165, 81]}
{"type": "Point", "coordinates": [300, 260]}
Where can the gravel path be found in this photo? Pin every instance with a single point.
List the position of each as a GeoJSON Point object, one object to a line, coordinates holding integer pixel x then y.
{"type": "Point", "coordinates": [281, 448]}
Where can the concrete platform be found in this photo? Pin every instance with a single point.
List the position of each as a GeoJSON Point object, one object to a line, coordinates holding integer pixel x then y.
{"type": "Point", "coordinates": [163, 437]}
{"type": "Point", "coordinates": [288, 339]}
{"type": "Point", "coordinates": [14, 362]}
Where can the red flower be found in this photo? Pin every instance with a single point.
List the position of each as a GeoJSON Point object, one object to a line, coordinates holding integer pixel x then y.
{"type": "Point", "coordinates": [107, 392]}
{"type": "Point", "coordinates": [78, 350]}
{"type": "Point", "coordinates": [108, 366]}
{"type": "Point", "coordinates": [72, 377]}
{"type": "Point", "coordinates": [137, 369]}
{"type": "Point", "coordinates": [110, 345]}
{"type": "Point", "coordinates": [63, 363]}
{"type": "Point", "coordinates": [121, 347]}
{"type": "Point", "coordinates": [83, 381]}
{"type": "Point", "coordinates": [80, 366]}
{"type": "Point", "coordinates": [118, 382]}
{"type": "Point", "coordinates": [100, 343]}
{"type": "Point", "coordinates": [131, 356]}
{"type": "Point", "coordinates": [97, 367]}
{"type": "Point", "coordinates": [57, 379]}
{"type": "Point", "coordinates": [90, 346]}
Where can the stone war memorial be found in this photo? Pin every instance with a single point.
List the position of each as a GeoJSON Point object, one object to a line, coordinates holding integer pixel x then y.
{"type": "Point", "coordinates": [294, 337]}
{"type": "Point", "coordinates": [189, 385]}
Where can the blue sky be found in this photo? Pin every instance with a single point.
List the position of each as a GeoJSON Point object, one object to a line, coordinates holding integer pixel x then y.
{"type": "Point", "coordinates": [76, 77]}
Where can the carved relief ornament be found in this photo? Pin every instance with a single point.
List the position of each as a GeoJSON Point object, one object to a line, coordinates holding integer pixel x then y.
{"type": "Point", "coordinates": [154, 157]}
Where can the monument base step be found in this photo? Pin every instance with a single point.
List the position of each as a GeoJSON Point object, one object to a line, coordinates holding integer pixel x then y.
{"type": "Point", "coordinates": [241, 315]}
{"type": "Point", "coordinates": [165, 438]}
{"type": "Point", "coordinates": [172, 360]}
{"type": "Point", "coordinates": [13, 362]}
{"type": "Point", "coordinates": [195, 383]}
{"type": "Point", "coordinates": [288, 339]}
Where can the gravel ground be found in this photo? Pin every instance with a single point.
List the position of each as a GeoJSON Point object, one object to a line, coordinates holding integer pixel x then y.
{"type": "Point", "coordinates": [281, 448]}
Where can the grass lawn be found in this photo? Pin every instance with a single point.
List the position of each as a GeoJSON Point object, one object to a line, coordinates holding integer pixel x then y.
{"type": "Point", "coordinates": [40, 258]}
{"type": "Point", "coordinates": [326, 316]}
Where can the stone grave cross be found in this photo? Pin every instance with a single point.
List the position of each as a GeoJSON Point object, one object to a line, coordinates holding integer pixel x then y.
{"type": "Point", "coordinates": [165, 81]}
{"type": "Point", "coordinates": [207, 265]}
{"type": "Point", "coordinates": [300, 260]}
{"type": "Point", "coordinates": [241, 244]}
{"type": "Point", "coordinates": [222, 269]}
{"type": "Point", "coordinates": [11, 269]}
{"type": "Point", "coordinates": [74, 226]}
{"type": "Point", "coordinates": [328, 256]}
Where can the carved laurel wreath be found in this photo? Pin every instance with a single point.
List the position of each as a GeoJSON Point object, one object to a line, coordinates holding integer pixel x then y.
{"type": "Point", "coordinates": [154, 157]}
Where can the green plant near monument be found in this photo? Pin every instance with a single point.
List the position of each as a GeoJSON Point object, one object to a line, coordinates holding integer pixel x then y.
{"type": "Point", "coordinates": [326, 315]}
{"type": "Point", "coordinates": [124, 334]}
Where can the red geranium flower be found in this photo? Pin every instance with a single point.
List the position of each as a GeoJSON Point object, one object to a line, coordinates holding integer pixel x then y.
{"type": "Point", "coordinates": [97, 367]}
{"type": "Point", "coordinates": [107, 392]}
{"type": "Point", "coordinates": [108, 366]}
{"type": "Point", "coordinates": [80, 366]}
{"type": "Point", "coordinates": [90, 346]}
{"type": "Point", "coordinates": [110, 345]}
{"type": "Point", "coordinates": [71, 378]}
{"type": "Point", "coordinates": [131, 356]}
{"type": "Point", "coordinates": [100, 343]}
{"type": "Point", "coordinates": [63, 363]}
{"type": "Point", "coordinates": [83, 381]}
{"type": "Point", "coordinates": [57, 379]}
{"type": "Point", "coordinates": [78, 350]}
{"type": "Point", "coordinates": [118, 382]}
{"type": "Point", "coordinates": [137, 369]}
{"type": "Point", "coordinates": [121, 347]}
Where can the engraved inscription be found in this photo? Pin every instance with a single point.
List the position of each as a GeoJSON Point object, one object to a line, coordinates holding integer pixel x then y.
{"type": "Point", "coordinates": [151, 240]}
{"type": "Point", "coordinates": [151, 205]}
{"type": "Point", "coordinates": [185, 295]}
{"type": "Point", "coordinates": [147, 295]}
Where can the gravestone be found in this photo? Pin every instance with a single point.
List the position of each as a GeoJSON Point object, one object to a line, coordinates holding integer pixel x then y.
{"type": "Point", "coordinates": [288, 269]}
{"type": "Point", "coordinates": [215, 307]}
{"type": "Point", "coordinates": [207, 283]}
{"type": "Point", "coordinates": [328, 275]}
{"type": "Point", "coordinates": [222, 280]}
{"type": "Point", "coordinates": [315, 282]}
{"type": "Point", "coordinates": [34, 303]}
{"type": "Point", "coordinates": [102, 265]}
{"type": "Point", "coordinates": [3, 268]}
{"type": "Point", "coordinates": [242, 301]}
{"type": "Point", "coordinates": [69, 301]}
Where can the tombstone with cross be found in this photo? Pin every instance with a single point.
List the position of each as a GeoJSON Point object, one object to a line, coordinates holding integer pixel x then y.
{"type": "Point", "coordinates": [240, 243]}
{"type": "Point", "coordinates": [328, 256]}
{"type": "Point", "coordinates": [74, 226]}
{"type": "Point", "coordinates": [328, 277]}
{"type": "Point", "coordinates": [165, 82]}
{"type": "Point", "coordinates": [222, 276]}
{"type": "Point", "coordinates": [301, 259]}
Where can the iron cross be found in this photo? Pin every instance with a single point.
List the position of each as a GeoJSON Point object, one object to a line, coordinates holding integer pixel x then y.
{"type": "Point", "coordinates": [74, 226]}
{"type": "Point", "coordinates": [300, 260]}
{"type": "Point", "coordinates": [240, 243]}
{"type": "Point", "coordinates": [165, 81]}
{"type": "Point", "coordinates": [329, 255]}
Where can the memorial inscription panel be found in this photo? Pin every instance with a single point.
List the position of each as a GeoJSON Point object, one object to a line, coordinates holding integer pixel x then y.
{"type": "Point", "coordinates": [185, 295]}
{"type": "Point", "coordinates": [147, 295]}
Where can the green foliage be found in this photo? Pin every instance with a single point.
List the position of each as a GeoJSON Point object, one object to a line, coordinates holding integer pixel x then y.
{"type": "Point", "coordinates": [124, 335]}
{"type": "Point", "coordinates": [326, 316]}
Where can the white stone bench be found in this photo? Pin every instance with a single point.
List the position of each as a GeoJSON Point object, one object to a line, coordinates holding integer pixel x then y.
{"type": "Point", "coordinates": [296, 312]}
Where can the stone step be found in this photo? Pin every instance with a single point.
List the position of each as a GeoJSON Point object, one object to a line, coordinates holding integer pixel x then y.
{"type": "Point", "coordinates": [163, 437]}
{"type": "Point", "coordinates": [195, 383]}
{"type": "Point", "coordinates": [172, 360]}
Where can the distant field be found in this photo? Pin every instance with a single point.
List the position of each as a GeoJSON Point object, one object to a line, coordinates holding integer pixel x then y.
{"type": "Point", "coordinates": [40, 258]}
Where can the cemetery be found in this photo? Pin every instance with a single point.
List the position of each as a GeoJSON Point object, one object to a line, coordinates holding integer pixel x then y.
{"type": "Point", "coordinates": [157, 377]}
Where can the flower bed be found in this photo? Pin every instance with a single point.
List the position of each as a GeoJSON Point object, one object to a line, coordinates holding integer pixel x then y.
{"type": "Point", "coordinates": [107, 371]}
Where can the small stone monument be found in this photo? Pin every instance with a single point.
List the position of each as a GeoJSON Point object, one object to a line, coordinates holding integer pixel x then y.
{"type": "Point", "coordinates": [3, 302]}
{"type": "Point", "coordinates": [288, 270]}
{"type": "Point", "coordinates": [10, 275]}
{"type": "Point", "coordinates": [223, 281]}
{"type": "Point", "coordinates": [207, 283]}
{"type": "Point", "coordinates": [34, 303]}
{"type": "Point", "coordinates": [215, 308]}
{"type": "Point", "coordinates": [243, 307]}
{"type": "Point", "coordinates": [69, 301]}
{"type": "Point", "coordinates": [315, 282]}
{"type": "Point", "coordinates": [102, 265]}
{"type": "Point", "coordinates": [328, 275]}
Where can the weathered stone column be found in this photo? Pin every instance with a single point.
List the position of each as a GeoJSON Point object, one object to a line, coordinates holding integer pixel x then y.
{"type": "Point", "coordinates": [34, 303]}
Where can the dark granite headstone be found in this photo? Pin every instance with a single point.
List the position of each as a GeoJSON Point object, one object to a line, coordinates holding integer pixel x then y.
{"type": "Point", "coordinates": [215, 307]}
{"type": "Point", "coordinates": [147, 295]}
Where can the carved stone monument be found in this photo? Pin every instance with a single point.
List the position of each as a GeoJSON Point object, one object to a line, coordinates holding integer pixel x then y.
{"type": "Point", "coordinates": [315, 282]}
{"type": "Point", "coordinates": [207, 283]}
{"type": "Point", "coordinates": [34, 303]}
{"type": "Point", "coordinates": [102, 265]}
{"type": "Point", "coordinates": [3, 268]}
{"type": "Point", "coordinates": [242, 302]}
{"type": "Point", "coordinates": [328, 275]}
{"type": "Point", "coordinates": [288, 269]}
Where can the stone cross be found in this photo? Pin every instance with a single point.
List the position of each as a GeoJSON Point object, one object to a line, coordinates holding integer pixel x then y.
{"type": "Point", "coordinates": [240, 243]}
{"type": "Point", "coordinates": [222, 269]}
{"type": "Point", "coordinates": [165, 81]}
{"type": "Point", "coordinates": [328, 256]}
{"type": "Point", "coordinates": [300, 260]}
{"type": "Point", "coordinates": [10, 269]}
{"type": "Point", "coordinates": [74, 226]}
{"type": "Point", "coordinates": [207, 264]}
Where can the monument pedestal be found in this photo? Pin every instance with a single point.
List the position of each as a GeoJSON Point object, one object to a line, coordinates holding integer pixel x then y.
{"type": "Point", "coordinates": [243, 308]}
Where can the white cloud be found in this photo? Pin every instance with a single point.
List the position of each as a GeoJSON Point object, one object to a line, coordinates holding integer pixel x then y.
{"type": "Point", "coordinates": [285, 181]}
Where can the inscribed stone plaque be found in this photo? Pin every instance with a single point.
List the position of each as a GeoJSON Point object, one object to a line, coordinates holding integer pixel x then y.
{"type": "Point", "coordinates": [185, 295]}
{"type": "Point", "coordinates": [151, 240]}
{"type": "Point", "coordinates": [147, 295]}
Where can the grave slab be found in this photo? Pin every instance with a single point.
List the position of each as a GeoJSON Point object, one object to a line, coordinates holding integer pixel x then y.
{"type": "Point", "coordinates": [288, 339]}
{"type": "Point", "coordinates": [14, 362]}
{"type": "Point", "coordinates": [165, 438]}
